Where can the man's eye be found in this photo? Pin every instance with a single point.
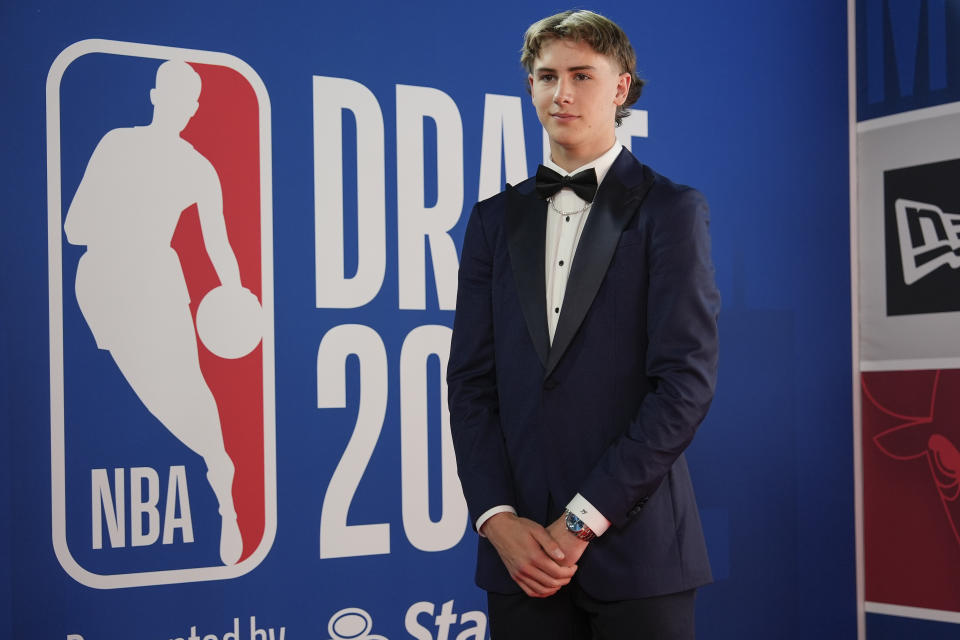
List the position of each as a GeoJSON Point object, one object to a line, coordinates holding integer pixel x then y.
{"type": "Point", "coordinates": [546, 77]}
{"type": "Point", "coordinates": [582, 76]}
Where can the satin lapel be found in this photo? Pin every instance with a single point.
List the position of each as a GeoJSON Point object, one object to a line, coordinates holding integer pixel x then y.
{"type": "Point", "coordinates": [617, 199]}
{"type": "Point", "coordinates": [526, 221]}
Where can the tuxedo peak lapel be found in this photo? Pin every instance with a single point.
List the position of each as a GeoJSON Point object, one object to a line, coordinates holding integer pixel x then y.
{"type": "Point", "coordinates": [618, 197]}
{"type": "Point", "coordinates": [526, 224]}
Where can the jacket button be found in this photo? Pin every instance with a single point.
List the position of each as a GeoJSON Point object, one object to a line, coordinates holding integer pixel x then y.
{"type": "Point", "coordinates": [550, 384]}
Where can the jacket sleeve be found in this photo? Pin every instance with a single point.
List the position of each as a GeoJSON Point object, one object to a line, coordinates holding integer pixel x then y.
{"type": "Point", "coordinates": [682, 308]}
{"type": "Point", "coordinates": [482, 462]}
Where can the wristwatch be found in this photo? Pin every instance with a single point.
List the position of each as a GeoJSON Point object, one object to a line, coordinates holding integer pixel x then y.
{"type": "Point", "coordinates": [578, 527]}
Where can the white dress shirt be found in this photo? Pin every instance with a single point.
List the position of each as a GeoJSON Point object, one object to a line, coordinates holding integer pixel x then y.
{"type": "Point", "coordinates": [566, 216]}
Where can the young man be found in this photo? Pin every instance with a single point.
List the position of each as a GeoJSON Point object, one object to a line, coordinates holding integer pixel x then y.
{"type": "Point", "coordinates": [583, 359]}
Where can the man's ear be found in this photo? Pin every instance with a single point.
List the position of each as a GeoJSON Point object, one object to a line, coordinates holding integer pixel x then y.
{"type": "Point", "coordinates": [623, 88]}
{"type": "Point", "coordinates": [530, 84]}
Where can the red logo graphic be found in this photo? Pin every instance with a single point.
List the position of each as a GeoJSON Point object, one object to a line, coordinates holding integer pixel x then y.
{"type": "Point", "coordinates": [911, 470]}
{"type": "Point", "coordinates": [930, 437]}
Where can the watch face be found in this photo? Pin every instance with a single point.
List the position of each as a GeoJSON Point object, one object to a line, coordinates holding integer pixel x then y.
{"type": "Point", "coordinates": [574, 523]}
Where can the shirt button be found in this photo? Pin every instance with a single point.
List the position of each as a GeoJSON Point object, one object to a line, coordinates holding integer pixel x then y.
{"type": "Point", "coordinates": [556, 309]}
{"type": "Point", "coordinates": [561, 263]}
{"type": "Point", "coordinates": [568, 218]}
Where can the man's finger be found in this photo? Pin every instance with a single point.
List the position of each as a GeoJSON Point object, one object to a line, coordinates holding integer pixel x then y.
{"type": "Point", "coordinates": [549, 566]}
{"type": "Point", "coordinates": [547, 543]}
{"type": "Point", "coordinates": [556, 571]}
{"type": "Point", "coordinates": [538, 580]}
{"type": "Point", "coordinates": [525, 588]}
{"type": "Point", "coordinates": [544, 579]}
{"type": "Point", "coordinates": [533, 588]}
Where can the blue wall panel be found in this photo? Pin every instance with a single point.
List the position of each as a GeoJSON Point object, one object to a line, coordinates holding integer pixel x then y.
{"type": "Point", "coordinates": [746, 101]}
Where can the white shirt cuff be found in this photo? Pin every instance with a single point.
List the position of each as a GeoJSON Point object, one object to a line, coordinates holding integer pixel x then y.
{"type": "Point", "coordinates": [486, 515]}
{"type": "Point", "coordinates": [582, 508]}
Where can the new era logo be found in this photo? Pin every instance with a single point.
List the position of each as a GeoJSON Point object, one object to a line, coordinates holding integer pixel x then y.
{"type": "Point", "coordinates": [922, 238]}
{"type": "Point", "coordinates": [161, 307]}
{"type": "Point", "coordinates": [929, 238]}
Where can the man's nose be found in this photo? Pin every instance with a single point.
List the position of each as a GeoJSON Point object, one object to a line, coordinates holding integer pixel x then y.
{"type": "Point", "coordinates": [564, 92]}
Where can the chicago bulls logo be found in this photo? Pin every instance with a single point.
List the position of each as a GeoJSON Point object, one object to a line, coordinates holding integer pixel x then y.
{"type": "Point", "coordinates": [930, 438]}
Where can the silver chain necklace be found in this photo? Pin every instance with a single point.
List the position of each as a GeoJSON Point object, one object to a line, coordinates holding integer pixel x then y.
{"type": "Point", "coordinates": [585, 206]}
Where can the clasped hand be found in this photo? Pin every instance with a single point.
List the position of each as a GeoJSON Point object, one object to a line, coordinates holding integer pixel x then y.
{"type": "Point", "coordinates": [540, 560]}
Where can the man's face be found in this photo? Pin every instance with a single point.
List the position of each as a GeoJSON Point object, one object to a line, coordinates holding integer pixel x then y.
{"type": "Point", "coordinates": [576, 92]}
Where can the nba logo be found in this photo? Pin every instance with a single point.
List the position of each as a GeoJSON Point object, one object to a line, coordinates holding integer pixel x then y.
{"type": "Point", "coordinates": [161, 315]}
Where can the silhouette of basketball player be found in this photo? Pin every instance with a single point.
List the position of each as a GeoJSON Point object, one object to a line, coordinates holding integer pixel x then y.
{"type": "Point", "coordinates": [130, 285]}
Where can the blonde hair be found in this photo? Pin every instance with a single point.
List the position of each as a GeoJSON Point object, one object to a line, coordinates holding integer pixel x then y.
{"type": "Point", "coordinates": [602, 34]}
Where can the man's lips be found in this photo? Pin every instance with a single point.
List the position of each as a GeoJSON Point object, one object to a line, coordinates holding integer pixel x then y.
{"type": "Point", "coordinates": [563, 116]}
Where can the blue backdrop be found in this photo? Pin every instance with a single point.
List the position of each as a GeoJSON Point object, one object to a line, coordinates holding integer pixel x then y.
{"type": "Point", "coordinates": [746, 101]}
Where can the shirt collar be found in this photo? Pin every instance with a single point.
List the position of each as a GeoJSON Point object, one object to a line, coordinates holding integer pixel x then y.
{"type": "Point", "coordinates": [601, 165]}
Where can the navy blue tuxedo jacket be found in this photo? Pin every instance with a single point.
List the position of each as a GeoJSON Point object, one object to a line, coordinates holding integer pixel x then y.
{"type": "Point", "coordinates": [608, 409]}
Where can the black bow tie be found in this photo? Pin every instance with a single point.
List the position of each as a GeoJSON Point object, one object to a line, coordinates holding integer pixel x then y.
{"type": "Point", "coordinates": [584, 184]}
